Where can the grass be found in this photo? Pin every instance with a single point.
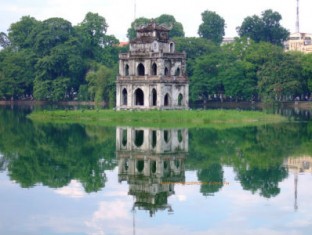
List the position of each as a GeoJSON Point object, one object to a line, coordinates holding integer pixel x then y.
{"type": "Point", "coordinates": [162, 119]}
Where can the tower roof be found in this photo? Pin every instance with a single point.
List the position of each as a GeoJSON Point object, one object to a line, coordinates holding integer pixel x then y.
{"type": "Point", "coordinates": [152, 26]}
{"type": "Point", "coordinates": [150, 32]}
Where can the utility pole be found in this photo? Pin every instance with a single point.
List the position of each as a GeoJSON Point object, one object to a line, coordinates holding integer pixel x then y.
{"type": "Point", "coordinates": [297, 22]}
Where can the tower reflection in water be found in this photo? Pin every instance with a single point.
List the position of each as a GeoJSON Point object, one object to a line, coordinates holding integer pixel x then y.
{"type": "Point", "coordinates": [151, 161]}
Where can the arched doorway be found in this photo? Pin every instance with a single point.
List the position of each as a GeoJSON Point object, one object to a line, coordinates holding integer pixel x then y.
{"type": "Point", "coordinates": [180, 99]}
{"type": "Point", "coordinates": [124, 138]}
{"type": "Point", "coordinates": [127, 70]}
{"type": "Point", "coordinates": [154, 97]}
{"type": "Point", "coordinates": [141, 70]}
{"type": "Point", "coordinates": [154, 69]}
{"type": "Point", "coordinates": [167, 100]}
{"type": "Point", "coordinates": [166, 71]}
{"type": "Point", "coordinates": [177, 72]}
{"type": "Point", "coordinates": [140, 166]}
{"type": "Point", "coordinates": [124, 97]}
{"type": "Point", "coordinates": [139, 97]}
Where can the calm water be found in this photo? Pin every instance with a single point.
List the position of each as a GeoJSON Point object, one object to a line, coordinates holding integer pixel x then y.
{"type": "Point", "coordinates": [72, 179]}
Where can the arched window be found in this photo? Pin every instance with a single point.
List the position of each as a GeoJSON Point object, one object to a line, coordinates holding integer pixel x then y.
{"type": "Point", "coordinates": [177, 72]}
{"type": "Point", "coordinates": [124, 138]}
{"type": "Point", "coordinates": [140, 166]}
{"type": "Point", "coordinates": [180, 136]}
{"type": "Point", "coordinates": [139, 97]}
{"type": "Point", "coordinates": [166, 100]}
{"type": "Point", "coordinates": [154, 139]}
{"type": "Point", "coordinates": [166, 71]}
{"type": "Point", "coordinates": [154, 69]}
{"type": "Point", "coordinates": [177, 163]}
{"type": "Point", "coordinates": [166, 136]}
{"type": "Point", "coordinates": [153, 167]}
{"type": "Point", "coordinates": [180, 99]}
{"type": "Point", "coordinates": [141, 70]}
{"type": "Point", "coordinates": [138, 138]}
{"type": "Point", "coordinates": [126, 165]}
{"type": "Point", "coordinates": [171, 48]}
{"type": "Point", "coordinates": [124, 97]}
{"type": "Point", "coordinates": [154, 97]}
{"type": "Point", "coordinates": [127, 70]}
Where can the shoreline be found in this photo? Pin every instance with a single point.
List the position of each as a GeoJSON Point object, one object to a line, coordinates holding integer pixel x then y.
{"type": "Point", "coordinates": [305, 105]}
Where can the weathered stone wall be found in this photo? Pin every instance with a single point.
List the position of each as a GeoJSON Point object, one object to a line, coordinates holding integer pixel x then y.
{"type": "Point", "coordinates": [138, 75]}
{"type": "Point", "coordinates": [171, 89]}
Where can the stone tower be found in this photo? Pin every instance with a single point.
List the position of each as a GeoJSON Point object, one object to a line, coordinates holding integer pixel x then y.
{"type": "Point", "coordinates": [152, 75]}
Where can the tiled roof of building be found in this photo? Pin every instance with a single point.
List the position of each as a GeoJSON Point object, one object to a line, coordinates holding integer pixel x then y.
{"type": "Point", "coordinates": [152, 27]}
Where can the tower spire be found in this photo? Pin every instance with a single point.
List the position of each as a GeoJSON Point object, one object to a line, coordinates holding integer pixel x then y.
{"type": "Point", "coordinates": [297, 21]}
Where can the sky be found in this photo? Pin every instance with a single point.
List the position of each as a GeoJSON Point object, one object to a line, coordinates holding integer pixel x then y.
{"type": "Point", "coordinates": [120, 13]}
{"type": "Point", "coordinates": [232, 210]}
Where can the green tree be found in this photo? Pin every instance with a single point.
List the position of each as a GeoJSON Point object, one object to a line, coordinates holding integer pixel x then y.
{"type": "Point", "coordinates": [92, 33]}
{"type": "Point", "coordinates": [20, 33]}
{"type": "Point", "coordinates": [17, 68]}
{"type": "Point", "coordinates": [131, 33]}
{"type": "Point", "coordinates": [238, 80]}
{"type": "Point", "coordinates": [307, 70]}
{"type": "Point", "coordinates": [4, 40]}
{"type": "Point", "coordinates": [169, 20]}
{"type": "Point", "coordinates": [194, 48]}
{"type": "Point", "coordinates": [211, 178]}
{"type": "Point", "coordinates": [100, 83]}
{"type": "Point", "coordinates": [280, 78]}
{"type": "Point", "coordinates": [266, 28]}
{"type": "Point", "coordinates": [212, 27]}
{"type": "Point", "coordinates": [205, 81]}
{"type": "Point", "coordinates": [50, 33]}
{"type": "Point", "coordinates": [203, 59]}
{"type": "Point", "coordinates": [264, 181]}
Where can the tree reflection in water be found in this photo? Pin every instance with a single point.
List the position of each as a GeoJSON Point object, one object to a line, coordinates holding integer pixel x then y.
{"type": "Point", "coordinates": [54, 154]}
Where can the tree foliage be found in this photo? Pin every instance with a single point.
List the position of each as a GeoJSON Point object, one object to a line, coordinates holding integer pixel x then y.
{"type": "Point", "coordinates": [212, 27]}
{"type": "Point", "coordinates": [50, 59]}
{"type": "Point", "coordinates": [54, 60]}
{"type": "Point", "coordinates": [280, 78]}
{"type": "Point", "coordinates": [266, 28]}
{"type": "Point", "coordinates": [100, 83]}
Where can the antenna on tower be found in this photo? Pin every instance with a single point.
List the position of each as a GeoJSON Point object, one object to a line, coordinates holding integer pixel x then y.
{"type": "Point", "coordinates": [134, 9]}
{"type": "Point", "coordinates": [297, 22]}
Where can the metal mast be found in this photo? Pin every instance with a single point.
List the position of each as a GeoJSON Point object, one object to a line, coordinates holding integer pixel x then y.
{"type": "Point", "coordinates": [296, 191]}
{"type": "Point", "coordinates": [297, 22]}
{"type": "Point", "coordinates": [134, 9]}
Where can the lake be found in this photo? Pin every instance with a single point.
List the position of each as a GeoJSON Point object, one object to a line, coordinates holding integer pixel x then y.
{"type": "Point", "coordinates": [76, 180]}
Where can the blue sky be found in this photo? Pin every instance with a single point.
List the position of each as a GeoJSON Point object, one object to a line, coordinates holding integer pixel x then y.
{"type": "Point", "coordinates": [120, 13]}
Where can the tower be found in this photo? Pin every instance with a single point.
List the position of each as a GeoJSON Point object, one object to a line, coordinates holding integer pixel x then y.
{"type": "Point", "coordinates": [297, 21]}
{"type": "Point", "coordinates": [152, 75]}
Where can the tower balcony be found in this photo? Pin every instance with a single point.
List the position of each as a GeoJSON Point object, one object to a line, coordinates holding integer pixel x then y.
{"type": "Point", "coordinates": [150, 54]}
{"type": "Point", "coordinates": [146, 78]}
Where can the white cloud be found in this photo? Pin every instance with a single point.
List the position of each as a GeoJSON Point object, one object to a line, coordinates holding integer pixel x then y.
{"type": "Point", "coordinates": [74, 190]}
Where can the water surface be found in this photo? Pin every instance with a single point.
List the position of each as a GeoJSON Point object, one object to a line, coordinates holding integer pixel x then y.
{"type": "Point", "coordinates": [73, 179]}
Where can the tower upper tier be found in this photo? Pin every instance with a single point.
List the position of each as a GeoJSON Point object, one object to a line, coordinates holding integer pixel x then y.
{"type": "Point", "coordinates": [152, 38]}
